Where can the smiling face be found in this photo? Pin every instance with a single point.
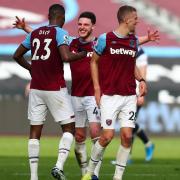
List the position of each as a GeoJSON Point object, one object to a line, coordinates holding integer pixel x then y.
{"type": "Point", "coordinates": [85, 27]}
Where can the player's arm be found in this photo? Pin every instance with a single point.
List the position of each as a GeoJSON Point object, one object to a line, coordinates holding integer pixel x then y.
{"type": "Point", "coordinates": [142, 82]}
{"type": "Point", "coordinates": [68, 56]}
{"type": "Point", "coordinates": [143, 72]}
{"type": "Point", "coordinates": [63, 41]}
{"type": "Point", "coordinates": [151, 36]}
{"type": "Point", "coordinates": [95, 76]}
{"type": "Point", "coordinates": [21, 24]}
{"type": "Point", "coordinates": [98, 51]}
{"type": "Point", "coordinates": [21, 50]}
{"type": "Point", "coordinates": [19, 57]}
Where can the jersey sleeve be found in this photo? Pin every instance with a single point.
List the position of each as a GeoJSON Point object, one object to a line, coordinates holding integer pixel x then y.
{"type": "Point", "coordinates": [71, 38]}
{"type": "Point", "coordinates": [27, 42]}
{"type": "Point", "coordinates": [100, 44]}
{"type": "Point", "coordinates": [142, 58]}
{"type": "Point", "coordinates": [137, 41]}
{"type": "Point", "coordinates": [62, 37]}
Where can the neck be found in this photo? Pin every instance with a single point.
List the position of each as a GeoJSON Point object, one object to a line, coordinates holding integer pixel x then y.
{"type": "Point", "coordinates": [54, 23]}
{"type": "Point", "coordinates": [88, 38]}
{"type": "Point", "coordinates": [122, 30]}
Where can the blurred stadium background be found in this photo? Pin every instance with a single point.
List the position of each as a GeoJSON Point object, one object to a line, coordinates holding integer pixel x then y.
{"type": "Point", "coordinates": [161, 114]}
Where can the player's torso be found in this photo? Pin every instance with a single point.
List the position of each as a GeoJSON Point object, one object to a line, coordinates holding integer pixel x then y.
{"type": "Point", "coordinates": [118, 63]}
{"type": "Point", "coordinates": [47, 66]}
{"type": "Point", "coordinates": [80, 70]}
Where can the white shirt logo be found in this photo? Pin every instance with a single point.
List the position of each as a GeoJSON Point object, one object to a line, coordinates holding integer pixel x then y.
{"type": "Point", "coordinates": [123, 51]}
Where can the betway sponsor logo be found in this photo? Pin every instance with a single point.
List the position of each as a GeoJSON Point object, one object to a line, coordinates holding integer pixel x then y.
{"type": "Point", "coordinates": [123, 51]}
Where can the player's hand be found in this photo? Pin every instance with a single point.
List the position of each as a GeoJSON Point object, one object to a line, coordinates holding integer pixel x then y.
{"type": "Point", "coordinates": [19, 23]}
{"type": "Point", "coordinates": [27, 90]}
{"type": "Point", "coordinates": [82, 50]}
{"type": "Point", "coordinates": [97, 94]}
{"type": "Point", "coordinates": [153, 36]}
{"type": "Point", "coordinates": [142, 88]}
{"type": "Point", "coordinates": [140, 100]}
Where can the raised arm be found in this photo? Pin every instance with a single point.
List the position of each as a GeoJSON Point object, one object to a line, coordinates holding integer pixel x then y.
{"type": "Point", "coordinates": [21, 24]}
{"type": "Point", "coordinates": [151, 36]}
{"type": "Point", "coordinates": [95, 77]}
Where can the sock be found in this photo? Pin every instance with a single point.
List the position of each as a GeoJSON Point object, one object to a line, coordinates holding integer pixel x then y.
{"type": "Point", "coordinates": [121, 160]}
{"type": "Point", "coordinates": [96, 154]}
{"type": "Point", "coordinates": [64, 148]}
{"type": "Point", "coordinates": [148, 144]}
{"type": "Point", "coordinates": [98, 166]}
{"type": "Point", "coordinates": [33, 153]}
{"type": "Point", "coordinates": [141, 134]}
{"type": "Point", "coordinates": [81, 156]}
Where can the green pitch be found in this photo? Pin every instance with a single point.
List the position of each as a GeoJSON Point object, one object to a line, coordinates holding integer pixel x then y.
{"type": "Point", "coordinates": [164, 166]}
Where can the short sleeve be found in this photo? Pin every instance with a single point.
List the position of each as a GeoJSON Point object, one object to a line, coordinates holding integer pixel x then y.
{"type": "Point", "coordinates": [27, 42]}
{"type": "Point", "coordinates": [100, 44]}
{"type": "Point", "coordinates": [142, 58]}
{"type": "Point", "coordinates": [62, 37]}
{"type": "Point", "coordinates": [137, 41]}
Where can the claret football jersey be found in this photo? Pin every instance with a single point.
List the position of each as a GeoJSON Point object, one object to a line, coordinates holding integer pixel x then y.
{"type": "Point", "coordinates": [80, 70]}
{"type": "Point", "coordinates": [117, 63]}
{"type": "Point", "coordinates": [47, 66]}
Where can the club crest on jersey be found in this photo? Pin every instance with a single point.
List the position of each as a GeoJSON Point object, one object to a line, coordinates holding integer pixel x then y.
{"type": "Point", "coordinates": [132, 43]}
{"type": "Point", "coordinates": [114, 42]}
{"type": "Point", "coordinates": [108, 122]}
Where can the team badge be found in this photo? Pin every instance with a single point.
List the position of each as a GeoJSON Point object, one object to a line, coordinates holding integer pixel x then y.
{"type": "Point", "coordinates": [108, 122]}
{"type": "Point", "coordinates": [132, 43]}
{"type": "Point", "coordinates": [114, 42]}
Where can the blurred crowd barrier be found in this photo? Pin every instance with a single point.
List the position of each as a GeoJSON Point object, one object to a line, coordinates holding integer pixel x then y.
{"type": "Point", "coordinates": [159, 116]}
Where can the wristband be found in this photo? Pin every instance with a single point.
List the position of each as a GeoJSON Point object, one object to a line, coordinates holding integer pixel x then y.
{"type": "Point", "coordinates": [142, 80]}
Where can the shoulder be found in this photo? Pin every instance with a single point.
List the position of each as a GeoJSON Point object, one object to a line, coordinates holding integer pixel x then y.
{"type": "Point", "coordinates": [74, 40]}
{"type": "Point", "coordinates": [61, 30]}
{"type": "Point", "coordinates": [102, 37]}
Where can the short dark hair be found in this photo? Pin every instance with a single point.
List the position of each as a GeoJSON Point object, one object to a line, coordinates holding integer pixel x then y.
{"type": "Point", "coordinates": [123, 11]}
{"type": "Point", "coordinates": [55, 10]}
{"type": "Point", "coordinates": [89, 15]}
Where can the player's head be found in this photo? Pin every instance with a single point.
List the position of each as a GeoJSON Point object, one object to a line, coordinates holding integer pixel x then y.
{"type": "Point", "coordinates": [86, 24]}
{"type": "Point", "coordinates": [57, 14]}
{"type": "Point", "coordinates": [128, 15]}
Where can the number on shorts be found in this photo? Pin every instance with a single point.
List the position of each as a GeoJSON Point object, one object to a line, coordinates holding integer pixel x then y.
{"type": "Point", "coordinates": [36, 43]}
{"type": "Point", "coordinates": [132, 115]}
{"type": "Point", "coordinates": [95, 111]}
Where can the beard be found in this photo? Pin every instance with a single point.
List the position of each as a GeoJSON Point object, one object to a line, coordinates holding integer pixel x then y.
{"type": "Point", "coordinates": [87, 34]}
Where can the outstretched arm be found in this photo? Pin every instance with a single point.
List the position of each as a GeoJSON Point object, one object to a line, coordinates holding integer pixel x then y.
{"type": "Point", "coordinates": [151, 36]}
{"type": "Point", "coordinates": [21, 24]}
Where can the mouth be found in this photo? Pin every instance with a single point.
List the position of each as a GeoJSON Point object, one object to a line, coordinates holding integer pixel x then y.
{"type": "Point", "coordinates": [82, 31]}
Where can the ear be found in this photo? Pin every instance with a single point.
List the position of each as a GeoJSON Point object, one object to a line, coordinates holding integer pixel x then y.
{"type": "Point", "coordinates": [93, 27]}
{"type": "Point", "coordinates": [126, 20]}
